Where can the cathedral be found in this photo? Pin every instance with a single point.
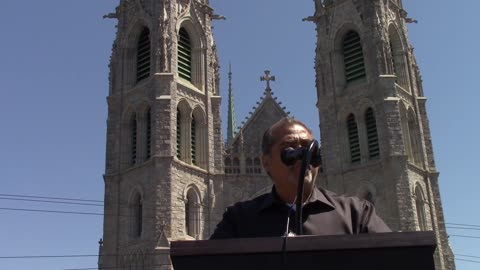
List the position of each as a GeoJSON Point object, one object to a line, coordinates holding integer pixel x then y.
{"type": "Point", "coordinates": [169, 173]}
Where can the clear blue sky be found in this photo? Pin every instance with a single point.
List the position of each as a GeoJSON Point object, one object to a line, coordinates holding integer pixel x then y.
{"type": "Point", "coordinates": [54, 57]}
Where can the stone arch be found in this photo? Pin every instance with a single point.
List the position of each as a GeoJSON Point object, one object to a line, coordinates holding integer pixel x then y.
{"type": "Point", "coordinates": [236, 165]}
{"type": "Point", "coordinates": [414, 131]}
{"type": "Point", "coordinates": [200, 133]}
{"type": "Point", "coordinates": [192, 198]}
{"type": "Point", "coordinates": [360, 113]}
{"type": "Point", "coordinates": [144, 130]}
{"type": "Point", "coordinates": [197, 43]}
{"type": "Point", "coordinates": [257, 165]}
{"type": "Point", "coordinates": [339, 63]}
{"type": "Point", "coordinates": [405, 129]}
{"type": "Point", "coordinates": [130, 143]}
{"type": "Point", "coordinates": [398, 57]}
{"type": "Point", "coordinates": [183, 121]}
{"type": "Point", "coordinates": [249, 169]}
{"type": "Point", "coordinates": [420, 203]}
{"type": "Point", "coordinates": [353, 140]}
{"type": "Point", "coordinates": [130, 43]}
{"type": "Point", "coordinates": [371, 133]}
{"type": "Point", "coordinates": [228, 165]}
{"type": "Point", "coordinates": [136, 212]}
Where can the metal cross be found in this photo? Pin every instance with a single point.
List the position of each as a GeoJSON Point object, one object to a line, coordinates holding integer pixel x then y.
{"type": "Point", "coordinates": [267, 78]}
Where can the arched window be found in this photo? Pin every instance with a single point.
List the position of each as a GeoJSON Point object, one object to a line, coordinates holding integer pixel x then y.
{"type": "Point", "coordinates": [397, 56]}
{"type": "Point", "coordinates": [236, 166]}
{"type": "Point", "coordinates": [137, 215]}
{"type": "Point", "coordinates": [179, 133]}
{"type": "Point", "coordinates": [353, 57]}
{"type": "Point", "coordinates": [372, 135]}
{"type": "Point", "coordinates": [143, 55]}
{"type": "Point", "coordinates": [184, 55]}
{"type": "Point", "coordinates": [192, 213]}
{"type": "Point", "coordinates": [193, 140]}
{"type": "Point", "coordinates": [133, 139]}
{"type": "Point", "coordinates": [353, 140]}
{"type": "Point", "coordinates": [414, 138]}
{"type": "Point", "coordinates": [258, 167]}
{"type": "Point", "coordinates": [420, 204]}
{"type": "Point", "coordinates": [148, 133]}
{"type": "Point", "coordinates": [249, 166]}
{"type": "Point", "coordinates": [228, 165]}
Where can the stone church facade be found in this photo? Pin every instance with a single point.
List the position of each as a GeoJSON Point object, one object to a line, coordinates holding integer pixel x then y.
{"type": "Point", "coordinates": [168, 173]}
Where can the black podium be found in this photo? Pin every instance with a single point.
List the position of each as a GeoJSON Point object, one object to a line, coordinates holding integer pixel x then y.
{"type": "Point", "coordinates": [382, 251]}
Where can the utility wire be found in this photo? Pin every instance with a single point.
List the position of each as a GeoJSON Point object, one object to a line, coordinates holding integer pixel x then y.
{"type": "Point", "coordinates": [55, 199]}
{"type": "Point", "coordinates": [112, 267]}
{"type": "Point", "coordinates": [465, 236]}
{"type": "Point", "coordinates": [461, 224]}
{"type": "Point", "coordinates": [468, 260]}
{"type": "Point", "coordinates": [144, 204]}
{"type": "Point", "coordinates": [71, 256]}
{"type": "Point", "coordinates": [46, 201]}
{"type": "Point", "coordinates": [198, 219]}
{"type": "Point", "coordinates": [469, 256]}
{"type": "Point", "coordinates": [50, 211]}
{"type": "Point", "coordinates": [463, 228]}
{"type": "Point", "coordinates": [46, 197]}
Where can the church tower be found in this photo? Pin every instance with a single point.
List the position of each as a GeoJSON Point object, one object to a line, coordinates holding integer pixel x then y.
{"type": "Point", "coordinates": [164, 143]}
{"type": "Point", "coordinates": [375, 133]}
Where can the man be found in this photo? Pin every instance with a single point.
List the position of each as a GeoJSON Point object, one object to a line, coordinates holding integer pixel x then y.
{"type": "Point", "coordinates": [272, 214]}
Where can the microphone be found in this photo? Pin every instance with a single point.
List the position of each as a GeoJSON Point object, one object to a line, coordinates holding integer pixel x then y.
{"type": "Point", "coordinates": [290, 155]}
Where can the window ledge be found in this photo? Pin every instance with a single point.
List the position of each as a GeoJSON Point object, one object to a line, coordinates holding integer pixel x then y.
{"type": "Point", "coordinates": [188, 85]}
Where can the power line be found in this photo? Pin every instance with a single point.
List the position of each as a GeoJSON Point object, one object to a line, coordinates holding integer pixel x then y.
{"type": "Point", "coordinates": [463, 228]}
{"type": "Point", "coordinates": [465, 225]}
{"type": "Point", "coordinates": [113, 267]}
{"type": "Point", "coordinates": [468, 260]}
{"type": "Point", "coordinates": [181, 209]}
{"type": "Point", "coordinates": [60, 200]}
{"type": "Point", "coordinates": [45, 201]}
{"type": "Point", "coordinates": [50, 211]}
{"type": "Point", "coordinates": [469, 256]}
{"type": "Point", "coordinates": [144, 204]}
{"type": "Point", "coordinates": [46, 197]}
{"type": "Point", "coordinates": [70, 256]}
{"type": "Point", "coordinates": [465, 236]}
{"type": "Point", "coordinates": [47, 256]}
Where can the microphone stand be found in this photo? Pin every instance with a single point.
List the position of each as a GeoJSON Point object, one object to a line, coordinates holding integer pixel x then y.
{"type": "Point", "coordinates": [307, 158]}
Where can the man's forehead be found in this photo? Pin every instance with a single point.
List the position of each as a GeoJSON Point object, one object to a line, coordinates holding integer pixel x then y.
{"type": "Point", "coordinates": [290, 131]}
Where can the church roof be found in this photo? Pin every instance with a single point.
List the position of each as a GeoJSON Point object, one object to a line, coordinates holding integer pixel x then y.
{"type": "Point", "coordinates": [266, 112]}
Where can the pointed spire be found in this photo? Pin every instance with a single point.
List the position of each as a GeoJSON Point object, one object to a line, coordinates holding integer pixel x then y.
{"type": "Point", "coordinates": [232, 122]}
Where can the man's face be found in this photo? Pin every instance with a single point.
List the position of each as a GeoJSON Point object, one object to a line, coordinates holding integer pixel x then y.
{"type": "Point", "coordinates": [285, 177]}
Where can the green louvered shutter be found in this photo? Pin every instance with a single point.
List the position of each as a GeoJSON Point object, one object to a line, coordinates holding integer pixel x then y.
{"type": "Point", "coordinates": [193, 142]}
{"type": "Point", "coordinates": [149, 133]}
{"type": "Point", "coordinates": [179, 133]}
{"type": "Point", "coordinates": [372, 135]}
{"type": "Point", "coordinates": [353, 57]}
{"type": "Point", "coordinates": [143, 55]}
{"type": "Point", "coordinates": [184, 55]}
{"type": "Point", "coordinates": [353, 139]}
{"type": "Point", "coordinates": [133, 134]}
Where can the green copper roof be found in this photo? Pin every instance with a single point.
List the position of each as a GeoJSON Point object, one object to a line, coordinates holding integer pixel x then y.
{"type": "Point", "coordinates": [232, 122]}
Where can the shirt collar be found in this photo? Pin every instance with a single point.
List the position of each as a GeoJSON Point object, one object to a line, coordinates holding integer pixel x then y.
{"type": "Point", "coordinates": [318, 196]}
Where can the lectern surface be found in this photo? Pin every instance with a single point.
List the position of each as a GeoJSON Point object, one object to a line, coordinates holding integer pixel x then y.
{"type": "Point", "coordinates": [383, 251]}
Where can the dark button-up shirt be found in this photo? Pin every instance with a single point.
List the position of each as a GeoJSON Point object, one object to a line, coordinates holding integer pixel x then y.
{"type": "Point", "coordinates": [325, 213]}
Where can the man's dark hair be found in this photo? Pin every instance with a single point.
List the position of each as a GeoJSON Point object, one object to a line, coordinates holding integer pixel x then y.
{"type": "Point", "coordinates": [268, 139]}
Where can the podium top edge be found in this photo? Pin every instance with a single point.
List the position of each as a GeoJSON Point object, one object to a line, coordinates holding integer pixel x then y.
{"type": "Point", "coordinates": [303, 243]}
